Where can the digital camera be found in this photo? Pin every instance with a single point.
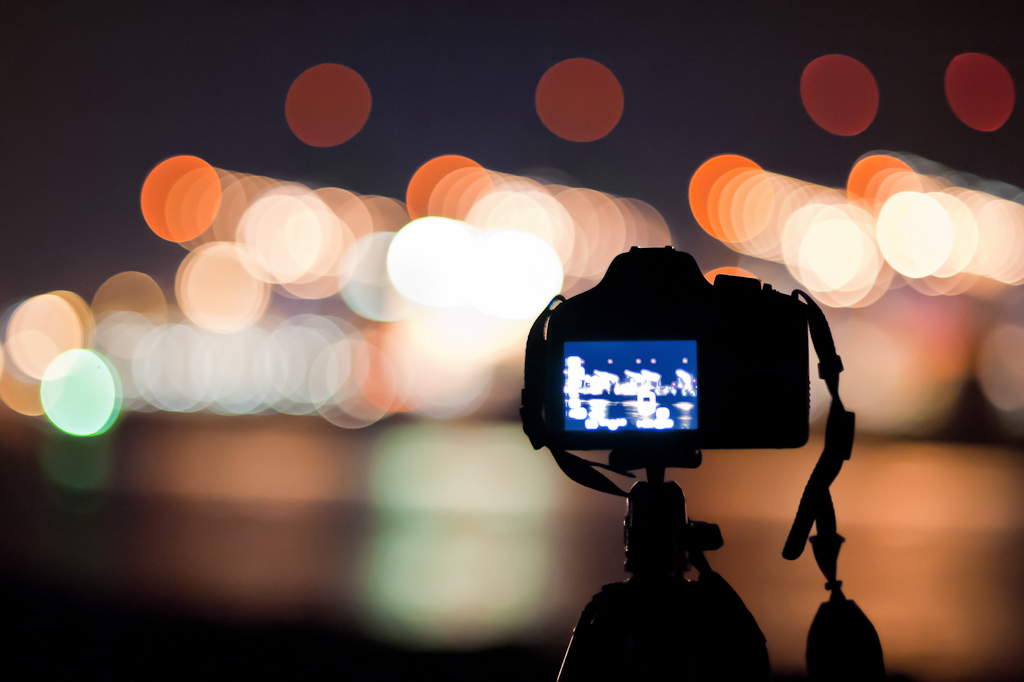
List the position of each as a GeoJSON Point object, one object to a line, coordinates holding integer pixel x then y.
{"type": "Point", "coordinates": [655, 357]}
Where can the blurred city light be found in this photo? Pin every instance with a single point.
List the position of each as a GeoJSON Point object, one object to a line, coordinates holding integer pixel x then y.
{"type": "Point", "coordinates": [579, 100]}
{"type": "Point", "coordinates": [430, 260]}
{"type": "Point", "coordinates": [1001, 372]}
{"type": "Point", "coordinates": [180, 198]}
{"type": "Point", "coordinates": [893, 225]}
{"type": "Point", "coordinates": [517, 274]}
{"type": "Point", "coordinates": [425, 194]}
{"type": "Point", "coordinates": [733, 271]}
{"type": "Point", "coordinates": [216, 289]}
{"type": "Point", "coordinates": [915, 234]}
{"type": "Point", "coordinates": [40, 329]}
{"type": "Point", "coordinates": [81, 393]}
{"type": "Point", "coordinates": [18, 391]}
{"type": "Point", "coordinates": [839, 94]}
{"type": "Point", "coordinates": [423, 315]}
{"type": "Point", "coordinates": [130, 291]}
{"type": "Point", "coordinates": [461, 555]}
{"type": "Point", "coordinates": [327, 105]}
{"type": "Point", "coordinates": [980, 91]}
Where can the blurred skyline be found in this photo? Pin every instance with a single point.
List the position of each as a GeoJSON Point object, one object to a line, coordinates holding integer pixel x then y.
{"type": "Point", "coordinates": [96, 97]}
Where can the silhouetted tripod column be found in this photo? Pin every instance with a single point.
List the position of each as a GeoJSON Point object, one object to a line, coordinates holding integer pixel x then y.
{"type": "Point", "coordinates": [658, 625]}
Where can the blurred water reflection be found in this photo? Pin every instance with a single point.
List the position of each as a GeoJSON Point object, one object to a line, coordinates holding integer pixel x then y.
{"type": "Point", "coordinates": [459, 535]}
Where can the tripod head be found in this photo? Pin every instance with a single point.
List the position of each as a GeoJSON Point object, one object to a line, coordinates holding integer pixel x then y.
{"type": "Point", "coordinates": [660, 538]}
{"type": "Point", "coordinates": [658, 625]}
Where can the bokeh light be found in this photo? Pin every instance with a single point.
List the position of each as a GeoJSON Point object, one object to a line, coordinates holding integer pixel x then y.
{"type": "Point", "coordinates": [366, 287]}
{"type": "Point", "coordinates": [327, 105]}
{"type": "Point", "coordinates": [295, 347]}
{"type": "Point", "coordinates": [442, 303]}
{"type": "Point", "coordinates": [864, 183]}
{"type": "Point", "coordinates": [437, 380]}
{"type": "Point", "coordinates": [915, 234]}
{"type": "Point", "coordinates": [439, 500]}
{"type": "Point", "coordinates": [900, 376]}
{"type": "Point", "coordinates": [579, 100]}
{"type": "Point", "coordinates": [839, 94]}
{"type": "Point", "coordinates": [292, 236]}
{"type": "Point", "coordinates": [180, 198]}
{"type": "Point", "coordinates": [833, 252]}
{"type": "Point", "coordinates": [386, 214]}
{"type": "Point", "coordinates": [377, 389]}
{"type": "Point", "coordinates": [40, 329]}
{"type": "Point", "coordinates": [741, 203]}
{"type": "Point", "coordinates": [420, 192]}
{"type": "Point", "coordinates": [130, 292]}
{"type": "Point", "coordinates": [702, 186]}
{"type": "Point", "coordinates": [1001, 238]}
{"type": "Point", "coordinates": [430, 259]}
{"type": "Point", "coordinates": [422, 469]}
{"type": "Point", "coordinates": [1001, 367]}
{"type": "Point", "coordinates": [81, 393]}
{"type": "Point", "coordinates": [517, 274]}
{"type": "Point", "coordinates": [354, 217]}
{"type": "Point", "coordinates": [828, 251]}
{"type": "Point", "coordinates": [456, 193]}
{"type": "Point", "coordinates": [18, 391]}
{"type": "Point", "coordinates": [216, 289]}
{"type": "Point", "coordinates": [165, 365]}
{"type": "Point", "coordinates": [980, 91]}
{"type": "Point", "coordinates": [730, 270]}
{"type": "Point", "coordinates": [965, 234]}
{"type": "Point", "coordinates": [902, 219]}
{"type": "Point", "coordinates": [82, 311]}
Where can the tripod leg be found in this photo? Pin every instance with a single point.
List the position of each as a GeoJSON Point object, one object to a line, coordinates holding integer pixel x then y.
{"type": "Point", "coordinates": [596, 631]}
{"type": "Point", "coordinates": [735, 646]}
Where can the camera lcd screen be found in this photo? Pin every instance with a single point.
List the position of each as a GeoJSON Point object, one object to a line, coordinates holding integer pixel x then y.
{"type": "Point", "coordinates": [630, 385]}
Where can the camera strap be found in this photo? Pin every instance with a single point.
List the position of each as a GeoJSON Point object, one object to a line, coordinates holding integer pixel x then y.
{"type": "Point", "coordinates": [842, 642]}
{"type": "Point", "coordinates": [816, 502]}
{"type": "Point", "coordinates": [576, 468]}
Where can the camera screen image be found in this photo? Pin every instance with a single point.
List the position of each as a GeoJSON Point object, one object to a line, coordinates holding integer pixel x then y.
{"type": "Point", "coordinates": [630, 385]}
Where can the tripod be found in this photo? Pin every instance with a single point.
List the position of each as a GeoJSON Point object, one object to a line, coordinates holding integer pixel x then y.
{"type": "Point", "coordinates": [658, 625]}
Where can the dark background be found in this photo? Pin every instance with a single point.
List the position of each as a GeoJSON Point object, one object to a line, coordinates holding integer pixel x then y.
{"type": "Point", "coordinates": [95, 95]}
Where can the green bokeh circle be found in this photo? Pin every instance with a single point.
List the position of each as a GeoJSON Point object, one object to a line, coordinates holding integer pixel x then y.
{"type": "Point", "coordinates": [81, 393]}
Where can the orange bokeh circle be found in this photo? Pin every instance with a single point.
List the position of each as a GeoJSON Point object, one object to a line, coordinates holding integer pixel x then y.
{"type": "Point", "coordinates": [456, 193]}
{"type": "Point", "coordinates": [180, 198]}
{"type": "Point", "coordinates": [729, 270]}
{"type": "Point", "coordinates": [866, 176]}
{"type": "Point", "coordinates": [579, 100]}
{"type": "Point", "coordinates": [327, 105]}
{"type": "Point", "coordinates": [839, 94]}
{"type": "Point", "coordinates": [428, 176]}
{"type": "Point", "coordinates": [703, 185]}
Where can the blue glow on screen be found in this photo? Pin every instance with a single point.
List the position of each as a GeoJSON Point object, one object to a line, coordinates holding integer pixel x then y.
{"type": "Point", "coordinates": [630, 385]}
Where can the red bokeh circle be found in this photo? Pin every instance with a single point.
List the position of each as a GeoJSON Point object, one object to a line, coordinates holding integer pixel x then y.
{"type": "Point", "coordinates": [327, 105]}
{"type": "Point", "coordinates": [980, 91]}
{"type": "Point", "coordinates": [579, 100]}
{"type": "Point", "coordinates": [839, 94]}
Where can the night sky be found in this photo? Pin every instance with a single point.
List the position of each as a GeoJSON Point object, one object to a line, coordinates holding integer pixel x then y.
{"type": "Point", "coordinates": [95, 95]}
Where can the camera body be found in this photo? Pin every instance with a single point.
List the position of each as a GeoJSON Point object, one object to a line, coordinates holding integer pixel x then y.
{"type": "Point", "coordinates": [656, 358]}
